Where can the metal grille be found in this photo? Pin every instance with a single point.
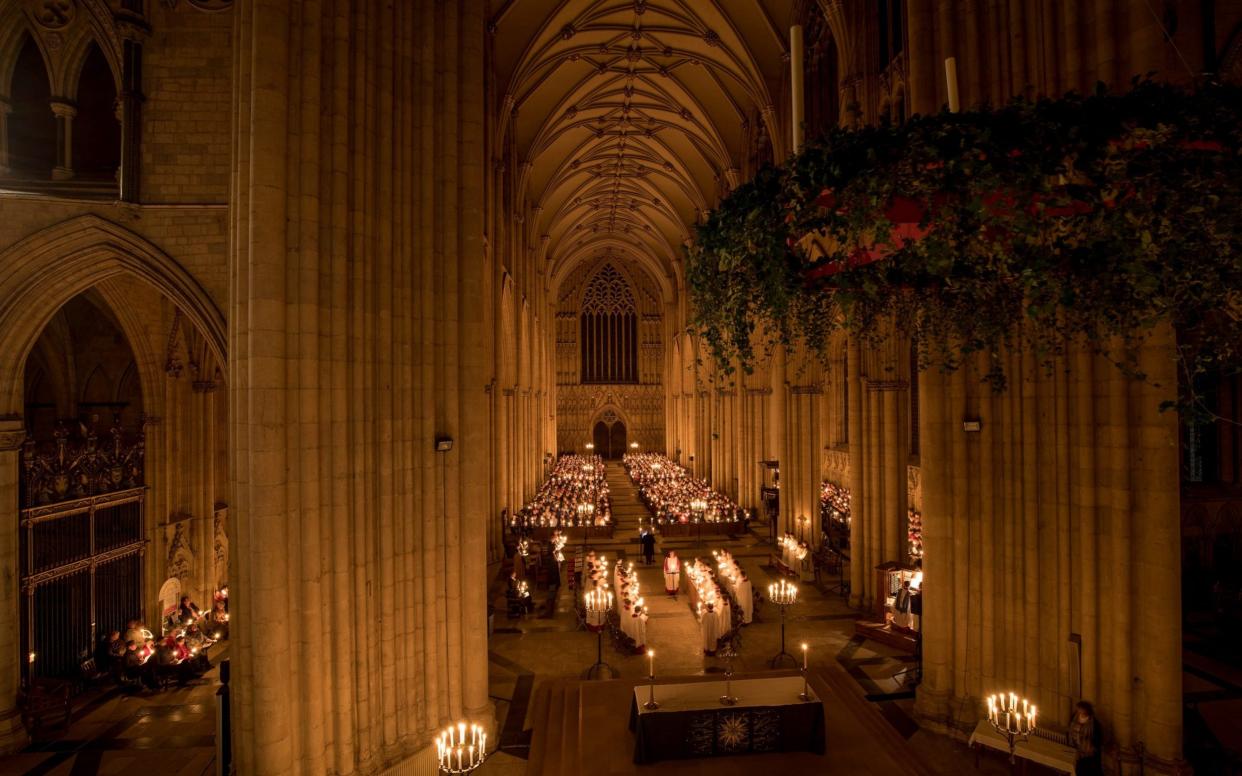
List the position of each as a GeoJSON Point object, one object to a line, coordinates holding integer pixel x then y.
{"type": "Point", "coordinates": [81, 575]}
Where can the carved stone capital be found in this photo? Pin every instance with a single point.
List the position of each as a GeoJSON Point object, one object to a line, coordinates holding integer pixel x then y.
{"type": "Point", "coordinates": [11, 439]}
{"type": "Point", "coordinates": [63, 110]}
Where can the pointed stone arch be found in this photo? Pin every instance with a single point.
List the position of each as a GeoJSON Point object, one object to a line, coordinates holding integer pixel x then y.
{"type": "Point", "coordinates": [45, 270]}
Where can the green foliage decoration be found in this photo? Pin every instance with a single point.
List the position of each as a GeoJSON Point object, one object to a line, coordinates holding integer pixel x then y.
{"type": "Point", "coordinates": [1081, 219]}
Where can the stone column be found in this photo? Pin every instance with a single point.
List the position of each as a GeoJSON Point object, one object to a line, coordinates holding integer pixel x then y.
{"type": "Point", "coordinates": [357, 340]}
{"type": "Point", "coordinates": [12, 735]}
{"type": "Point", "coordinates": [1157, 537]}
{"type": "Point", "coordinates": [932, 701]}
{"type": "Point", "coordinates": [65, 114]}
{"type": "Point", "coordinates": [859, 570]}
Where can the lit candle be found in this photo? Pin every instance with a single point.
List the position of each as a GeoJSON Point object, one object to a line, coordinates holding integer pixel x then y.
{"type": "Point", "coordinates": [804, 653]}
{"type": "Point", "coordinates": [651, 662]}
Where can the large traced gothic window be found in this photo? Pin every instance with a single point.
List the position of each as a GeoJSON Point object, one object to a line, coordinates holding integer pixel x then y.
{"type": "Point", "coordinates": [609, 330]}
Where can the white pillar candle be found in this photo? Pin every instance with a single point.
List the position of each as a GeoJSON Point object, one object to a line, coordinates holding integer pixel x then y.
{"type": "Point", "coordinates": [950, 77]}
{"type": "Point", "coordinates": [804, 654]}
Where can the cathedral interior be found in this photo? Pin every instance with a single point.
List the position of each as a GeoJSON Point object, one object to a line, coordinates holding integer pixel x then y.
{"type": "Point", "coordinates": [620, 386]}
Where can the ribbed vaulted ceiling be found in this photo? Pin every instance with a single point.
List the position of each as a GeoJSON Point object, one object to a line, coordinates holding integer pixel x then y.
{"type": "Point", "coordinates": [631, 116]}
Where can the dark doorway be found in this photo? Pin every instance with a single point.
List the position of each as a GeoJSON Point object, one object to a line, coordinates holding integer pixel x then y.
{"type": "Point", "coordinates": [599, 435]}
{"type": "Point", "coordinates": [609, 438]}
{"type": "Point", "coordinates": [616, 440]}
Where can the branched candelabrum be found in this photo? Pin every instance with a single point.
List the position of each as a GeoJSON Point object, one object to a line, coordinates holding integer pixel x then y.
{"type": "Point", "coordinates": [461, 748]}
{"type": "Point", "coordinates": [783, 594]}
{"type": "Point", "coordinates": [1012, 717]}
{"type": "Point", "coordinates": [598, 603]}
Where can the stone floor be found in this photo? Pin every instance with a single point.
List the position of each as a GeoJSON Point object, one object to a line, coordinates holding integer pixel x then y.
{"type": "Point", "coordinates": [171, 732]}
{"type": "Point", "coordinates": [547, 646]}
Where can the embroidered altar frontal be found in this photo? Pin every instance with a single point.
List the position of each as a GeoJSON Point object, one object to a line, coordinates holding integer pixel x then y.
{"type": "Point", "coordinates": [691, 721]}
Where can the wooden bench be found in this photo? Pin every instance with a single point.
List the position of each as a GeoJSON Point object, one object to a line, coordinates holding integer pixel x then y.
{"type": "Point", "coordinates": [1040, 749]}
{"type": "Point", "coordinates": [45, 701]}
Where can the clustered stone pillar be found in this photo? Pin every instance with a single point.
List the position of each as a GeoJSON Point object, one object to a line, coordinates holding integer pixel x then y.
{"type": "Point", "coordinates": [12, 734]}
{"type": "Point", "coordinates": [356, 341]}
{"type": "Point", "coordinates": [1054, 529]}
{"type": "Point", "coordinates": [879, 454]}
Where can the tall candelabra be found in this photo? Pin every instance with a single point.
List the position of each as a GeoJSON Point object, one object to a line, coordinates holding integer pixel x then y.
{"type": "Point", "coordinates": [698, 509]}
{"type": "Point", "coordinates": [598, 603]}
{"type": "Point", "coordinates": [1012, 717]}
{"type": "Point", "coordinates": [783, 594]}
{"type": "Point", "coordinates": [586, 517]}
{"type": "Point", "coordinates": [461, 748]}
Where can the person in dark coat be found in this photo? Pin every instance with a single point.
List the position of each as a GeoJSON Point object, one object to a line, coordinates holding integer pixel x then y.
{"type": "Point", "coordinates": [648, 542]}
{"type": "Point", "coordinates": [1085, 736]}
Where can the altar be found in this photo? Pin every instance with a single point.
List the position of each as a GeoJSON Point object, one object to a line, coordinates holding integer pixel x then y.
{"type": "Point", "coordinates": [691, 722]}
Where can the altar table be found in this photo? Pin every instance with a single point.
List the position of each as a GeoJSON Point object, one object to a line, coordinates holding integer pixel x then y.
{"type": "Point", "coordinates": [691, 721]}
{"type": "Point", "coordinates": [1039, 750]}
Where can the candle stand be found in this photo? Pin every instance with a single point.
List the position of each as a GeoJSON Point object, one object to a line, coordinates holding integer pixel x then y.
{"type": "Point", "coordinates": [728, 699]}
{"type": "Point", "coordinates": [783, 595]}
{"type": "Point", "coordinates": [598, 603]}
{"type": "Point", "coordinates": [586, 518]}
{"type": "Point", "coordinates": [1013, 718]}
{"type": "Point", "coordinates": [805, 695]}
{"type": "Point", "coordinates": [651, 704]}
{"type": "Point", "coordinates": [461, 749]}
{"type": "Point", "coordinates": [698, 508]}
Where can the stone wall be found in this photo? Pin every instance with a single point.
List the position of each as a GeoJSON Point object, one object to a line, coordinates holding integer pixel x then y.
{"type": "Point", "coordinates": [187, 73]}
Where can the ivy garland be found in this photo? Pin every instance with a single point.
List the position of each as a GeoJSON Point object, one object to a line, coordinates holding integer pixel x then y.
{"type": "Point", "coordinates": [1035, 225]}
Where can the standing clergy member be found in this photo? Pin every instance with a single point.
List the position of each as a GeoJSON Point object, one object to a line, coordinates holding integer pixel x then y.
{"type": "Point", "coordinates": [672, 574]}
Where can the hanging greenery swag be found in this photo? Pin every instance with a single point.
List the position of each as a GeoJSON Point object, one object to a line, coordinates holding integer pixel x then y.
{"type": "Point", "coordinates": [1039, 224]}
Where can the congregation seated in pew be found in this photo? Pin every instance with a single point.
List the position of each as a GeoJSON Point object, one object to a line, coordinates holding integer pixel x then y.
{"type": "Point", "coordinates": [575, 495]}
{"type": "Point", "coordinates": [672, 493]}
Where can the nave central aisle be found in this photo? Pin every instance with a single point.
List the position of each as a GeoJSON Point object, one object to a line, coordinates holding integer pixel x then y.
{"type": "Point", "coordinates": [548, 717]}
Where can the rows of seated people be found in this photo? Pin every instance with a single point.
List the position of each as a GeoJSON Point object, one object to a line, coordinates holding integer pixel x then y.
{"type": "Point", "coordinates": [669, 491]}
{"type": "Point", "coordinates": [136, 658]}
{"type": "Point", "coordinates": [575, 480]}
